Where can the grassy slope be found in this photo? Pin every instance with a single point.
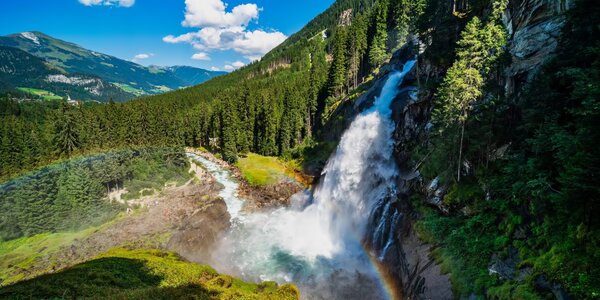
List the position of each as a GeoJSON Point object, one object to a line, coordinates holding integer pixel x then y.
{"type": "Point", "coordinates": [143, 274]}
{"type": "Point", "coordinates": [46, 95]}
{"type": "Point", "coordinates": [23, 253]}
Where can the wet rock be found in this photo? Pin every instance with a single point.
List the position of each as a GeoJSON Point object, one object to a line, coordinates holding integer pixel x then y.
{"type": "Point", "coordinates": [269, 196]}
{"type": "Point", "coordinates": [556, 289]}
{"type": "Point", "coordinates": [198, 233]}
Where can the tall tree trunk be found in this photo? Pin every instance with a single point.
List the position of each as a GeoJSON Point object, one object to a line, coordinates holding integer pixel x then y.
{"type": "Point", "coordinates": [462, 136]}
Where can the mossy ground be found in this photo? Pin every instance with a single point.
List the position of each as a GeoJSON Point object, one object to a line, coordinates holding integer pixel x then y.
{"type": "Point", "coordinates": [143, 274]}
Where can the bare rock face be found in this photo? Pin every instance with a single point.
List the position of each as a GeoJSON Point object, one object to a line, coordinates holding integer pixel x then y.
{"type": "Point", "coordinates": [269, 196]}
{"type": "Point", "coordinates": [534, 27]}
{"type": "Point", "coordinates": [199, 232]}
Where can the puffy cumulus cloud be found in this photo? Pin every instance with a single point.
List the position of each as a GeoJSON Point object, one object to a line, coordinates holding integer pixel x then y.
{"type": "Point", "coordinates": [201, 56]}
{"type": "Point", "coordinates": [238, 64]}
{"type": "Point", "coordinates": [215, 69]}
{"type": "Point", "coordinates": [234, 66]}
{"type": "Point", "coordinates": [257, 42]}
{"type": "Point", "coordinates": [211, 13]}
{"type": "Point", "coordinates": [123, 3]}
{"type": "Point", "coordinates": [142, 56]}
{"type": "Point", "coordinates": [220, 30]}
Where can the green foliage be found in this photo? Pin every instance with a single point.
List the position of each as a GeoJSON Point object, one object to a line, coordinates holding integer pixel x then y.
{"type": "Point", "coordinates": [143, 274]}
{"type": "Point", "coordinates": [338, 73]}
{"type": "Point", "coordinates": [71, 195]}
{"type": "Point", "coordinates": [379, 33]}
{"type": "Point", "coordinates": [533, 160]}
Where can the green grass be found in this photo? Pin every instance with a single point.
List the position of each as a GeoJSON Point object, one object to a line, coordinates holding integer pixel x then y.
{"type": "Point", "coordinates": [161, 89]}
{"type": "Point", "coordinates": [129, 89]}
{"type": "Point", "coordinates": [40, 93]}
{"type": "Point", "coordinates": [22, 253]}
{"type": "Point", "coordinates": [143, 274]}
{"type": "Point", "coordinates": [264, 170]}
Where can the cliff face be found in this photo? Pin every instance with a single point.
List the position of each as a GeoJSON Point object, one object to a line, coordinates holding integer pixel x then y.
{"type": "Point", "coordinates": [534, 27]}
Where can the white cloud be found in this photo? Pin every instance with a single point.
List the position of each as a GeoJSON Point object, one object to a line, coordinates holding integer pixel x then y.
{"type": "Point", "coordinates": [220, 30]}
{"type": "Point", "coordinates": [123, 3]}
{"type": "Point", "coordinates": [215, 69]}
{"type": "Point", "coordinates": [238, 64]}
{"type": "Point", "coordinates": [234, 66]}
{"type": "Point", "coordinates": [253, 58]}
{"type": "Point", "coordinates": [258, 42]}
{"type": "Point", "coordinates": [142, 56]}
{"type": "Point", "coordinates": [201, 56]}
{"type": "Point", "coordinates": [211, 13]}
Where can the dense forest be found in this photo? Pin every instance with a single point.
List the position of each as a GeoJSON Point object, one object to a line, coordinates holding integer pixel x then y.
{"type": "Point", "coordinates": [72, 195]}
{"type": "Point", "coordinates": [521, 170]}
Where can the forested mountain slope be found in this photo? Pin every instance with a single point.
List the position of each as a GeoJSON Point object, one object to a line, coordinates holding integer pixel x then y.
{"type": "Point", "coordinates": [74, 66]}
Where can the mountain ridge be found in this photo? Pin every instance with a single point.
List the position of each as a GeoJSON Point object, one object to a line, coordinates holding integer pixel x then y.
{"type": "Point", "coordinates": [70, 59]}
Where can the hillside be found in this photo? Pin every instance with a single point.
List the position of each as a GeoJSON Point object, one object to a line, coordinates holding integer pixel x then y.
{"type": "Point", "coordinates": [76, 69]}
{"type": "Point", "coordinates": [143, 274]}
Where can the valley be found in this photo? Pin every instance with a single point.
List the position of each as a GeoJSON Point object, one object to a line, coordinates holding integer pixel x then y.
{"type": "Point", "coordinates": [69, 70]}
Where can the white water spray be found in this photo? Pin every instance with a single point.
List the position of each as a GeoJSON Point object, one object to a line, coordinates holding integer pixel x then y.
{"type": "Point", "coordinates": [309, 245]}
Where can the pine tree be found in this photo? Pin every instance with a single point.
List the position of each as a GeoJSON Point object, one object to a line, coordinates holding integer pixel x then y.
{"type": "Point", "coordinates": [357, 46]}
{"type": "Point", "coordinates": [478, 49]}
{"type": "Point", "coordinates": [337, 74]}
{"type": "Point", "coordinates": [66, 137]}
{"type": "Point", "coordinates": [378, 47]}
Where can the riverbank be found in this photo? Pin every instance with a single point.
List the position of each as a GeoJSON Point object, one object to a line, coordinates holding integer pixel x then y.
{"type": "Point", "coordinates": [272, 193]}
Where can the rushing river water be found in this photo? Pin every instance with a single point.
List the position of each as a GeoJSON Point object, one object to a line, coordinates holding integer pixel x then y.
{"type": "Point", "coordinates": [317, 242]}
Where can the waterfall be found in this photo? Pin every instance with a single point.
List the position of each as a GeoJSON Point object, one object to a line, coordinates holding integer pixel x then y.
{"type": "Point", "coordinates": [313, 244]}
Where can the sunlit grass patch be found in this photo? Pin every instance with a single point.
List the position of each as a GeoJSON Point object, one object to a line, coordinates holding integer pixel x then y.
{"type": "Point", "coordinates": [46, 95]}
{"type": "Point", "coordinates": [144, 274]}
{"type": "Point", "coordinates": [263, 170]}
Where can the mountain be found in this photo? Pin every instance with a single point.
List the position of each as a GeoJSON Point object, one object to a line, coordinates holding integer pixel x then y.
{"type": "Point", "coordinates": [73, 64]}
{"type": "Point", "coordinates": [23, 71]}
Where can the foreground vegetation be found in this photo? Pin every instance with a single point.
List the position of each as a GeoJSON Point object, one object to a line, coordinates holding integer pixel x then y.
{"type": "Point", "coordinates": [520, 171]}
{"type": "Point", "coordinates": [143, 274]}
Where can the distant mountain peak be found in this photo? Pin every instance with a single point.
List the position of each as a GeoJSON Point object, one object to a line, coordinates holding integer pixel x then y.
{"type": "Point", "coordinates": [31, 36]}
{"type": "Point", "coordinates": [129, 77]}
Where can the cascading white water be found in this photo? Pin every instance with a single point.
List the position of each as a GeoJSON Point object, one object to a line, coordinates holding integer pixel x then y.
{"type": "Point", "coordinates": [315, 242]}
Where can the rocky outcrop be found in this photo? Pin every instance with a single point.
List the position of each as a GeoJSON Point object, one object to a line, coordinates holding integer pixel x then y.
{"type": "Point", "coordinates": [199, 232]}
{"type": "Point", "coordinates": [269, 196]}
{"type": "Point", "coordinates": [534, 27]}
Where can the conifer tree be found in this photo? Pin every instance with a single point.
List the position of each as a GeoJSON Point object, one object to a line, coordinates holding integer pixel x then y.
{"type": "Point", "coordinates": [378, 46]}
{"type": "Point", "coordinates": [66, 137]}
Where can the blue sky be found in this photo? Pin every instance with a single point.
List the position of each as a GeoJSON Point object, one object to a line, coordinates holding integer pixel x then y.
{"type": "Point", "coordinates": [220, 34]}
